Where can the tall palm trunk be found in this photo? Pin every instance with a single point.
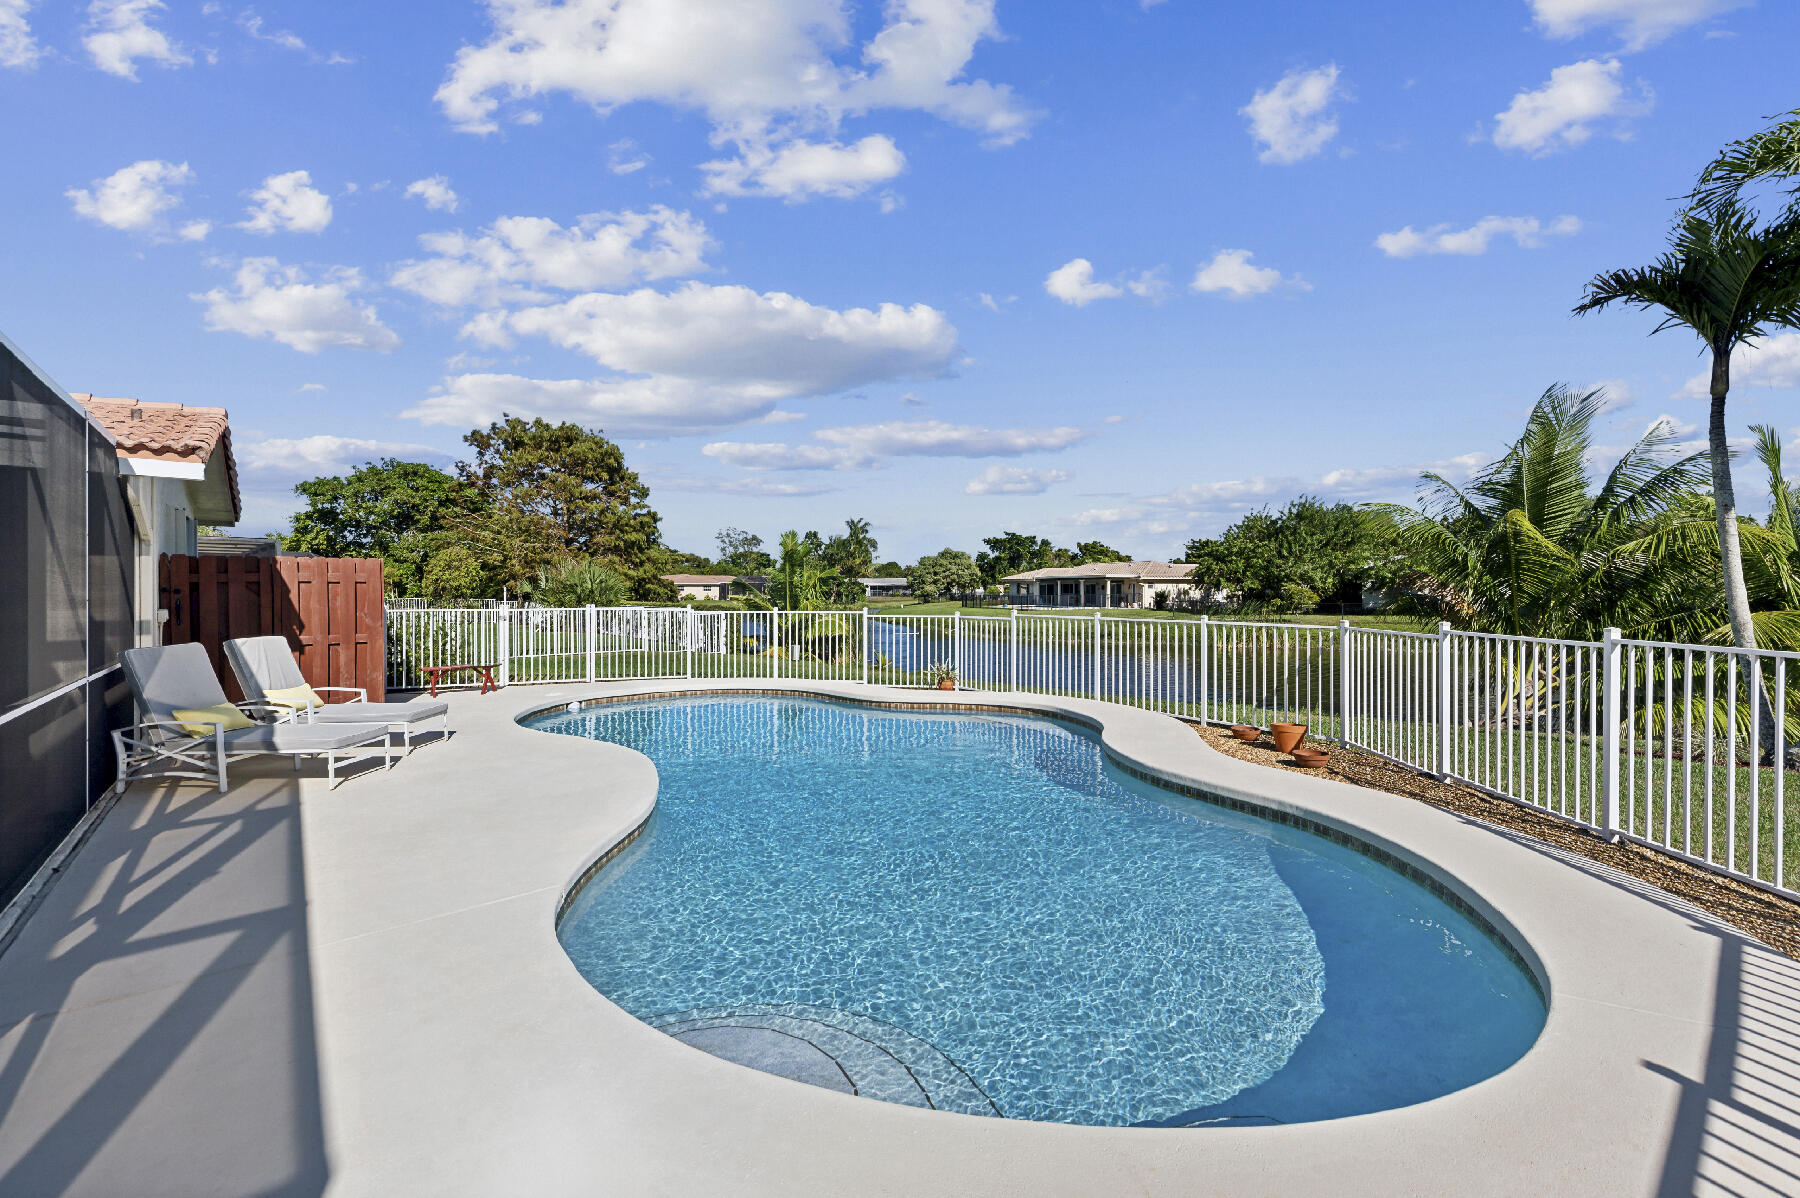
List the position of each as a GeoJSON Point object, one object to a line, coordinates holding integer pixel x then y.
{"type": "Point", "coordinates": [1737, 596]}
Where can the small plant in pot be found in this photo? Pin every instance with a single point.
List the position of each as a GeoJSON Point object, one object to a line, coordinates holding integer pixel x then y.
{"type": "Point", "coordinates": [944, 673]}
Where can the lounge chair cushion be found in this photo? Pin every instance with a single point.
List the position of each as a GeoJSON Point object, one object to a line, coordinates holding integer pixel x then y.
{"type": "Point", "coordinates": [298, 697]}
{"type": "Point", "coordinates": [262, 664]}
{"type": "Point", "coordinates": [377, 713]}
{"type": "Point", "coordinates": [167, 677]}
{"type": "Point", "coordinates": [302, 738]}
{"type": "Point", "coordinates": [200, 721]}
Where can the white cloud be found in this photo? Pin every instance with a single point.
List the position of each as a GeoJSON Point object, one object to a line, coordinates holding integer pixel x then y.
{"type": "Point", "coordinates": [1152, 284]}
{"type": "Point", "coordinates": [1014, 480]}
{"type": "Point", "coordinates": [623, 157]}
{"type": "Point", "coordinates": [1639, 23]}
{"type": "Point", "coordinates": [287, 39]}
{"type": "Point", "coordinates": [771, 344]}
{"type": "Point", "coordinates": [647, 407]}
{"type": "Point", "coordinates": [1293, 120]}
{"type": "Point", "coordinates": [1073, 283]}
{"type": "Point", "coordinates": [1562, 113]}
{"type": "Point", "coordinates": [514, 258]}
{"type": "Point", "coordinates": [194, 230]}
{"type": "Point", "coordinates": [1230, 272]}
{"type": "Point", "coordinates": [437, 193]}
{"type": "Point", "coordinates": [859, 447]}
{"type": "Point", "coordinates": [134, 197]}
{"type": "Point", "coordinates": [1378, 482]}
{"type": "Point", "coordinates": [1526, 231]}
{"type": "Point", "coordinates": [766, 73]}
{"type": "Point", "coordinates": [279, 302]}
{"type": "Point", "coordinates": [18, 49]}
{"type": "Point", "coordinates": [764, 487]}
{"type": "Point", "coordinates": [327, 454]}
{"type": "Point", "coordinates": [287, 203]}
{"type": "Point", "coordinates": [119, 35]}
{"type": "Point", "coordinates": [1619, 395]}
{"type": "Point", "coordinates": [1772, 361]}
{"type": "Point", "coordinates": [303, 388]}
{"type": "Point", "coordinates": [800, 170]}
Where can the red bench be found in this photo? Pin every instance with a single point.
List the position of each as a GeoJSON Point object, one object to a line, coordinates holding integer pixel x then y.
{"type": "Point", "coordinates": [436, 673]}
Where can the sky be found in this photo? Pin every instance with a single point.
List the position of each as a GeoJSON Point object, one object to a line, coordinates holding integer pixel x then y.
{"type": "Point", "coordinates": [1117, 270]}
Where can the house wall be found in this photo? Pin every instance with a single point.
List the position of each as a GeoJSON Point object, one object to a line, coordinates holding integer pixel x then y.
{"type": "Point", "coordinates": [163, 510]}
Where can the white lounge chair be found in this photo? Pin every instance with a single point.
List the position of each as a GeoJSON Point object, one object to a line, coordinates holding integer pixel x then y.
{"type": "Point", "coordinates": [266, 663]}
{"type": "Point", "coordinates": [166, 679]}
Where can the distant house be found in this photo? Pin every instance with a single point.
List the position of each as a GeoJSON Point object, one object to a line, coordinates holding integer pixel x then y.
{"type": "Point", "coordinates": [883, 588]}
{"type": "Point", "coordinates": [1102, 584]}
{"type": "Point", "coordinates": [179, 473]}
{"type": "Point", "coordinates": [701, 586]}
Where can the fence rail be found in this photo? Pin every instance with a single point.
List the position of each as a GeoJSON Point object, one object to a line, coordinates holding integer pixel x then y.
{"type": "Point", "coordinates": [1683, 748]}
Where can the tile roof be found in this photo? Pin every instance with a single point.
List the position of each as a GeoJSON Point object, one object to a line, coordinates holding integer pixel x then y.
{"type": "Point", "coordinates": [166, 432]}
{"type": "Point", "coordinates": [1142, 571]}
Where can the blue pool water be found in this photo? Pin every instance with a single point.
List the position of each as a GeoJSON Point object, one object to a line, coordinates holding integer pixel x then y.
{"type": "Point", "coordinates": [1084, 947]}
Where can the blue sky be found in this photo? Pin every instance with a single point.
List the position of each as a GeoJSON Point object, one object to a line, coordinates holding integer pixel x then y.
{"type": "Point", "coordinates": [1092, 270]}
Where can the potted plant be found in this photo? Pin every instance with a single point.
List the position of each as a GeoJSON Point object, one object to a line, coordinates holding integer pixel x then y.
{"type": "Point", "coordinates": [1287, 736]}
{"type": "Point", "coordinates": [945, 674]}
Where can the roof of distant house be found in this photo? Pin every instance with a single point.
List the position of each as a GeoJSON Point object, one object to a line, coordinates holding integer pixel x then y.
{"type": "Point", "coordinates": [1143, 571]}
{"type": "Point", "coordinates": [890, 579]}
{"type": "Point", "coordinates": [699, 580]}
{"type": "Point", "coordinates": [171, 433]}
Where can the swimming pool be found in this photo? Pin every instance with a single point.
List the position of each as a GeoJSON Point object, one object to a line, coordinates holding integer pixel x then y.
{"type": "Point", "coordinates": [978, 912]}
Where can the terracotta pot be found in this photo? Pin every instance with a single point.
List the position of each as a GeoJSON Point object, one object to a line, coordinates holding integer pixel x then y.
{"type": "Point", "coordinates": [946, 684]}
{"type": "Point", "coordinates": [1287, 736]}
{"type": "Point", "coordinates": [1312, 759]}
{"type": "Point", "coordinates": [1245, 732]}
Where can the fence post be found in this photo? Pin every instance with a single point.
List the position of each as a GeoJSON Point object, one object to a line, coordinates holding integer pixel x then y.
{"type": "Point", "coordinates": [1205, 667]}
{"type": "Point", "coordinates": [504, 616]}
{"type": "Point", "coordinates": [865, 646]}
{"type": "Point", "coordinates": [1609, 733]}
{"type": "Point", "coordinates": [956, 645]}
{"type": "Point", "coordinates": [690, 642]}
{"type": "Point", "coordinates": [1444, 706]}
{"type": "Point", "coordinates": [775, 635]}
{"type": "Point", "coordinates": [1012, 653]}
{"type": "Point", "coordinates": [1096, 655]}
{"type": "Point", "coordinates": [1343, 682]}
{"type": "Point", "coordinates": [593, 640]}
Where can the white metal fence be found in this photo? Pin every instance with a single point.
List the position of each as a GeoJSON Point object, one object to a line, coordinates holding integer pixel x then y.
{"type": "Point", "coordinates": [1685, 748]}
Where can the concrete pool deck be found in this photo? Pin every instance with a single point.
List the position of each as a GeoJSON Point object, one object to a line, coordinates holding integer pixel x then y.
{"type": "Point", "coordinates": [290, 990]}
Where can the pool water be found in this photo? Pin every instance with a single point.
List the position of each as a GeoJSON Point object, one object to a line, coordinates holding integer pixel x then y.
{"type": "Point", "coordinates": [1080, 946]}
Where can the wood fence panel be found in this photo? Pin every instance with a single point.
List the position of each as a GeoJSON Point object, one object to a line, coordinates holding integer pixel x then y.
{"type": "Point", "coordinates": [329, 609]}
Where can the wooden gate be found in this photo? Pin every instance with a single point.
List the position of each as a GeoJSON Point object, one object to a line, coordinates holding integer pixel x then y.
{"type": "Point", "coordinates": [328, 608]}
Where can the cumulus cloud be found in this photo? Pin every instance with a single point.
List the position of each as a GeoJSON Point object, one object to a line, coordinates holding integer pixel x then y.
{"type": "Point", "coordinates": [1073, 283]}
{"type": "Point", "coordinates": [762, 487]}
{"type": "Point", "coordinates": [1526, 231]}
{"type": "Point", "coordinates": [1639, 23]}
{"type": "Point", "coordinates": [1231, 274]}
{"type": "Point", "coordinates": [1378, 482]}
{"type": "Point", "coordinates": [281, 303]}
{"type": "Point", "coordinates": [437, 193]}
{"type": "Point", "coordinates": [1014, 480]}
{"type": "Point", "coordinates": [1563, 113]}
{"type": "Point", "coordinates": [133, 198]}
{"type": "Point", "coordinates": [326, 454]}
{"type": "Point", "coordinates": [800, 170]}
{"type": "Point", "coordinates": [119, 35]}
{"type": "Point", "coordinates": [517, 257]}
{"type": "Point", "coordinates": [624, 158]}
{"type": "Point", "coordinates": [18, 48]}
{"type": "Point", "coordinates": [645, 407]}
{"type": "Point", "coordinates": [1772, 361]}
{"type": "Point", "coordinates": [1292, 120]}
{"type": "Point", "coordinates": [287, 203]}
{"type": "Point", "coordinates": [860, 447]}
{"type": "Point", "coordinates": [770, 76]}
{"type": "Point", "coordinates": [194, 230]}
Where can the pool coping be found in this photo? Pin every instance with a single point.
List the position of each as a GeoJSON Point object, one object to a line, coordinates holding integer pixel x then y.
{"type": "Point", "coordinates": [456, 1050]}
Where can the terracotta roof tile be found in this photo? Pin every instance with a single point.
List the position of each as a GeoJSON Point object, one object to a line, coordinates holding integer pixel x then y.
{"type": "Point", "coordinates": [166, 432]}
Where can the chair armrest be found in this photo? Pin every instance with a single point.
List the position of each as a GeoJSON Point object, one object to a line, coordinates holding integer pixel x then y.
{"type": "Point", "coordinates": [361, 693]}
{"type": "Point", "coordinates": [283, 714]}
{"type": "Point", "coordinates": [176, 726]}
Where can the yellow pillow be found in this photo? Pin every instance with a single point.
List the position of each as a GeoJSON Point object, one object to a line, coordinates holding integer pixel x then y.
{"type": "Point", "coordinates": [200, 720]}
{"type": "Point", "coordinates": [298, 697]}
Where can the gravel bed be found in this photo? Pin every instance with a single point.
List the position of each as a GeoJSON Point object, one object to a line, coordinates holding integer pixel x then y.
{"type": "Point", "coordinates": [1768, 917]}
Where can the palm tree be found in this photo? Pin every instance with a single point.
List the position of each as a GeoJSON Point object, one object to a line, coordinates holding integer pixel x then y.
{"type": "Point", "coordinates": [1772, 154]}
{"type": "Point", "coordinates": [1529, 548]}
{"type": "Point", "coordinates": [1728, 282]}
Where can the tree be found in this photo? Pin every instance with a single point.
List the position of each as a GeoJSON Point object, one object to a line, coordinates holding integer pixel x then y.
{"type": "Point", "coordinates": [1014, 553]}
{"type": "Point", "coordinates": [388, 509]}
{"type": "Point", "coordinates": [741, 552]}
{"type": "Point", "coordinates": [794, 586]}
{"type": "Point", "coordinates": [579, 582]}
{"type": "Point", "coordinates": [1096, 551]}
{"type": "Point", "coordinates": [1307, 548]}
{"type": "Point", "coordinates": [1728, 282]}
{"type": "Point", "coordinates": [852, 552]}
{"type": "Point", "coordinates": [1531, 547]}
{"type": "Point", "coordinates": [947, 572]}
{"type": "Point", "coordinates": [571, 486]}
{"type": "Point", "coordinates": [1772, 154]}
